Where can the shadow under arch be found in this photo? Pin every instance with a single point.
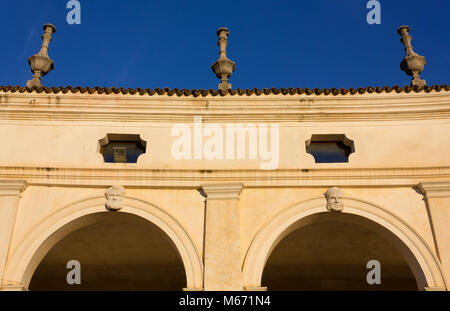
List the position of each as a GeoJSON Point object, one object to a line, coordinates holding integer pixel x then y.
{"type": "Point", "coordinates": [418, 255]}
{"type": "Point", "coordinates": [40, 239]}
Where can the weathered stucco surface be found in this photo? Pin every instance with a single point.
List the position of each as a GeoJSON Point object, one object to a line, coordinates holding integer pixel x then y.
{"type": "Point", "coordinates": [52, 174]}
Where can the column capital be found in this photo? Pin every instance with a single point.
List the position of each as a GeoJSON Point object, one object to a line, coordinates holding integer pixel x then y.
{"type": "Point", "coordinates": [12, 187]}
{"type": "Point", "coordinates": [435, 189]}
{"type": "Point", "coordinates": [222, 191]}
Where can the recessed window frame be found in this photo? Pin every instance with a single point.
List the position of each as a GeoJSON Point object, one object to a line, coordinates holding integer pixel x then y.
{"type": "Point", "coordinates": [342, 142]}
{"type": "Point", "coordinates": [114, 142]}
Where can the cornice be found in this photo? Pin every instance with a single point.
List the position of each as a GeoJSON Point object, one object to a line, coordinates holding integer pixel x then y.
{"type": "Point", "coordinates": [269, 108]}
{"type": "Point", "coordinates": [194, 179]}
{"type": "Point", "coordinates": [231, 92]}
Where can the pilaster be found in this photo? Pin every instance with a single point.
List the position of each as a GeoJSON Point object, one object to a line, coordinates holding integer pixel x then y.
{"type": "Point", "coordinates": [222, 254]}
{"type": "Point", "coordinates": [437, 198]}
{"type": "Point", "coordinates": [9, 201]}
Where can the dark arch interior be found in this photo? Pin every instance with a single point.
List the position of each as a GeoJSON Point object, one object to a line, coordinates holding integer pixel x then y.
{"type": "Point", "coordinates": [332, 254]}
{"type": "Point", "coordinates": [119, 252]}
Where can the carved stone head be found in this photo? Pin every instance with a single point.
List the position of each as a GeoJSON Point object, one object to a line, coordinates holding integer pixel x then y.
{"type": "Point", "coordinates": [114, 196]}
{"type": "Point", "coordinates": [335, 200]}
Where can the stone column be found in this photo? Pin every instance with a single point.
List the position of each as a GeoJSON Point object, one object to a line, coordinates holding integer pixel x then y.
{"type": "Point", "coordinates": [9, 202]}
{"type": "Point", "coordinates": [222, 250]}
{"type": "Point", "coordinates": [437, 197]}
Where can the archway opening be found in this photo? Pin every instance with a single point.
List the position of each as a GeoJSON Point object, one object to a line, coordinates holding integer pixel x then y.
{"type": "Point", "coordinates": [119, 251]}
{"type": "Point", "coordinates": [330, 251]}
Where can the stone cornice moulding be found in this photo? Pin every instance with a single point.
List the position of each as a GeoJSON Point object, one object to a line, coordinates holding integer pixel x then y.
{"type": "Point", "coordinates": [222, 191]}
{"type": "Point", "coordinates": [435, 189]}
{"type": "Point", "coordinates": [157, 178]}
{"type": "Point", "coordinates": [12, 187]}
{"type": "Point", "coordinates": [274, 108]}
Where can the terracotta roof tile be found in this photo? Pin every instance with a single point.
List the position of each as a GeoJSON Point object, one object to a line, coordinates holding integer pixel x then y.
{"type": "Point", "coordinates": [241, 92]}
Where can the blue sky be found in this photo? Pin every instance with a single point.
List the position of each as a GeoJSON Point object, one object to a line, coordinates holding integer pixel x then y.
{"type": "Point", "coordinates": [165, 43]}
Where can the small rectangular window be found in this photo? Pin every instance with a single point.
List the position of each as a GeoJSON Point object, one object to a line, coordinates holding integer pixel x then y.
{"type": "Point", "coordinates": [330, 148]}
{"type": "Point", "coordinates": [122, 148]}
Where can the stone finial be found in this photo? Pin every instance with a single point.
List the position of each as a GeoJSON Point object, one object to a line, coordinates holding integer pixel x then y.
{"type": "Point", "coordinates": [40, 63]}
{"type": "Point", "coordinates": [413, 63]}
{"type": "Point", "coordinates": [223, 67]}
{"type": "Point", "coordinates": [335, 201]}
{"type": "Point", "coordinates": [114, 196]}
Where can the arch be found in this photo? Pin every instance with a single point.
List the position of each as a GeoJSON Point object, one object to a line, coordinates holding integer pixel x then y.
{"type": "Point", "coordinates": [32, 249]}
{"type": "Point", "coordinates": [420, 258]}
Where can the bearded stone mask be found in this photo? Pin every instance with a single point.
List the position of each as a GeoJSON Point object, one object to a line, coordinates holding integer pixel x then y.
{"type": "Point", "coordinates": [335, 199]}
{"type": "Point", "coordinates": [114, 198]}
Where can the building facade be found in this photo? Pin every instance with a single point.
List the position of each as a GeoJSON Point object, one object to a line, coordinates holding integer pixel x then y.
{"type": "Point", "coordinates": [290, 189]}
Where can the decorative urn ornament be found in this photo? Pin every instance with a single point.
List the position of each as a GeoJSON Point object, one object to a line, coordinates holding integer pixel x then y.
{"type": "Point", "coordinates": [413, 63]}
{"type": "Point", "coordinates": [223, 67]}
{"type": "Point", "coordinates": [40, 63]}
